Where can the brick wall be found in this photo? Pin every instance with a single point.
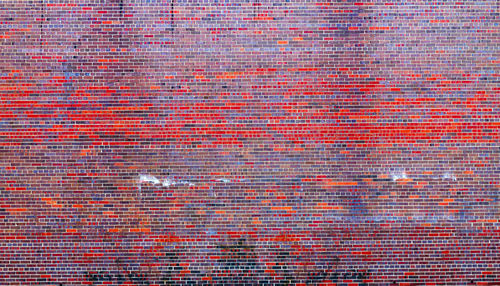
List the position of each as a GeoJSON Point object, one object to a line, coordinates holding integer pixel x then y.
{"type": "Point", "coordinates": [169, 142]}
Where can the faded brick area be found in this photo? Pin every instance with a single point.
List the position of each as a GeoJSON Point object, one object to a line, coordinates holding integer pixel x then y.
{"type": "Point", "coordinates": [250, 142]}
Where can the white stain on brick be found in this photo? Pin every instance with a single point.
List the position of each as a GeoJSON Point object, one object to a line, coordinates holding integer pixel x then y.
{"type": "Point", "coordinates": [186, 183]}
{"type": "Point", "coordinates": [148, 179]}
{"type": "Point", "coordinates": [165, 182]}
{"type": "Point", "coordinates": [449, 176]}
{"type": "Point", "coordinates": [399, 176]}
{"type": "Point", "coordinates": [168, 183]}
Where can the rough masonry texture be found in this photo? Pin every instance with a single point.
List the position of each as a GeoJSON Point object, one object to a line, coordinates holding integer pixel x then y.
{"type": "Point", "coordinates": [249, 142]}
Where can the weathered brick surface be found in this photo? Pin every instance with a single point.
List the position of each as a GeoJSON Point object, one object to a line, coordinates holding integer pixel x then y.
{"type": "Point", "coordinates": [175, 142]}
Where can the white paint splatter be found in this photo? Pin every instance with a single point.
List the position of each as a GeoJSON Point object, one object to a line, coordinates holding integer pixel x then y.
{"type": "Point", "coordinates": [187, 183]}
{"type": "Point", "coordinates": [166, 182]}
{"type": "Point", "coordinates": [223, 180]}
{"type": "Point", "coordinates": [450, 176]}
{"type": "Point", "coordinates": [399, 176]}
{"type": "Point", "coordinates": [148, 179]}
